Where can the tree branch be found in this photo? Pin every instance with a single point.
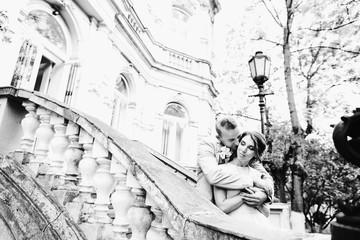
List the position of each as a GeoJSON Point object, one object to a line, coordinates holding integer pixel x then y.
{"type": "Point", "coordinates": [317, 69]}
{"type": "Point", "coordinates": [276, 16]}
{"type": "Point", "coordinates": [331, 28]}
{"type": "Point", "coordinates": [318, 99]}
{"type": "Point", "coordinates": [267, 40]}
{"type": "Point", "coordinates": [329, 47]}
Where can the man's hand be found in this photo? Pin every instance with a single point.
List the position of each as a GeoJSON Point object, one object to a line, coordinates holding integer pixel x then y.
{"type": "Point", "coordinates": [255, 197]}
{"type": "Point", "coordinates": [260, 183]}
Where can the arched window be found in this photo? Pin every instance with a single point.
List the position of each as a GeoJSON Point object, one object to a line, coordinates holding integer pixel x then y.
{"type": "Point", "coordinates": [119, 116]}
{"type": "Point", "coordinates": [122, 86]}
{"type": "Point", "coordinates": [174, 131]}
{"type": "Point", "coordinates": [46, 47]}
{"type": "Point", "coordinates": [179, 23]}
{"type": "Point", "coordinates": [46, 25]}
{"type": "Point", "coordinates": [180, 14]}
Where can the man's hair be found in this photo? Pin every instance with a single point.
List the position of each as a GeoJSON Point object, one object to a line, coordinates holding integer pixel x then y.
{"type": "Point", "coordinates": [229, 123]}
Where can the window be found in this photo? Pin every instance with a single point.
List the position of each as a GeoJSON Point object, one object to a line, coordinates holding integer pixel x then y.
{"type": "Point", "coordinates": [174, 132]}
{"type": "Point", "coordinates": [180, 15]}
{"type": "Point", "coordinates": [121, 101]}
{"type": "Point", "coordinates": [43, 77]}
{"type": "Point", "coordinates": [47, 26]}
{"type": "Point", "coordinates": [122, 87]}
{"type": "Point", "coordinates": [179, 23]}
{"type": "Point", "coordinates": [47, 47]}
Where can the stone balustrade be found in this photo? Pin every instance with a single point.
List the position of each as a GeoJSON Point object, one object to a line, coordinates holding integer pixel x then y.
{"type": "Point", "coordinates": [113, 187]}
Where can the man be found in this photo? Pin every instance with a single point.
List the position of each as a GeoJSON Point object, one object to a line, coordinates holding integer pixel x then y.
{"type": "Point", "coordinates": [215, 150]}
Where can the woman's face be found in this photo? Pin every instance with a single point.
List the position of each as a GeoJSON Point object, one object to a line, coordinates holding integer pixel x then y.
{"type": "Point", "coordinates": [246, 150]}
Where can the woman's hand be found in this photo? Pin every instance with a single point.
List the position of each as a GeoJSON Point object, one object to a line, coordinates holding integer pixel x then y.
{"type": "Point", "coordinates": [255, 197]}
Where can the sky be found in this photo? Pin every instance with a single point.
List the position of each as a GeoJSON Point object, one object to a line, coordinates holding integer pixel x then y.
{"type": "Point", "coordinates": [230, 13]}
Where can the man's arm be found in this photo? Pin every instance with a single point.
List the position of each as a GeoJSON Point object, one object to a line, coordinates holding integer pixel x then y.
{"type": "Point", "coordinates": [225, 175]}
{"type": "Point", "coordinates": [267, 178]}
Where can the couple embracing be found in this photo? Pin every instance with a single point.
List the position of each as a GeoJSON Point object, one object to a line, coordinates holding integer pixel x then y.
{"type": "Point", "coordinates": [231, 174]}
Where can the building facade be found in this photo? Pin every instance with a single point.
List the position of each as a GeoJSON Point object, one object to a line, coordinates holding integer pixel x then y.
{"type": "Point", "coordinates": [143, 67]}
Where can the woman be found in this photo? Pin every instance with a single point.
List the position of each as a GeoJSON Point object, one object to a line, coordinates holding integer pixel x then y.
{"type": "Point", "coordinates": [251, 147]}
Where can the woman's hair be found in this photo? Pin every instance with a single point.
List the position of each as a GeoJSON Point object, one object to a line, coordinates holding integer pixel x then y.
{"type": "Point", "coordinates": [259, 143]}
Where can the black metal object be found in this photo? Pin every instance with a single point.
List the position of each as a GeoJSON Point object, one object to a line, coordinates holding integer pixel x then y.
{"type": "Point", "coordinates": [346, 137]}
{"type": "Point", "coordinates": [262, 104]}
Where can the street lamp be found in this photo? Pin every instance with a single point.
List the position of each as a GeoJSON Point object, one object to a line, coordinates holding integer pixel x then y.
{"type": "Point", "coordinates": [260, 71]}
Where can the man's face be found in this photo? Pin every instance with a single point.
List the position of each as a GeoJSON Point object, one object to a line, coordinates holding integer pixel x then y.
{"type": "Point", "coordinates": [230, 138]}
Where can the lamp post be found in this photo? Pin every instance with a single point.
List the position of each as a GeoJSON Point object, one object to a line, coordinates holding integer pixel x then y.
{"type": "Point", "coordinates": [260, 71]}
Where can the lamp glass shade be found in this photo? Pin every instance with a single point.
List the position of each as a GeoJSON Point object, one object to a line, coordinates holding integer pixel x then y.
{"type": "Point", "coordinates": [259, 66]}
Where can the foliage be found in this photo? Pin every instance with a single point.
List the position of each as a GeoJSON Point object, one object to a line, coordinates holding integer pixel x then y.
{"type": "Point", "coordinates": [4, 27]}
{"type": "Point", "coordinates": [324, 55]}
{"type": "Point", "coordinates": [329, 179]}
{"type": "Point", "coordinates": [276, 160]}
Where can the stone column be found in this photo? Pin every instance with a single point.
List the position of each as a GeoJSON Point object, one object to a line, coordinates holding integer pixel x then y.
{"type": "Point", "coordinates": [29, 125]}
{"type": "Point", "coordinates": [158, 230]}
{"type": "Point", "coordinates": [104, 183]}
{"type": "Point", "coordinates": [58, 145]}
{"type": "Point", "coordinates": [170, 229]}
{"type": "Point", "coordinates": [73, 155]}
{"type": "Point", "coordinates": [87, 167]}
{"type": "Point", "coordinates": [43, 134]}
{"type": "Point", "coordinates": [121, 200]}
{"type": "Point", "coordinates": [67, 191]}
{"type": "Point", "coordinates": [139, 214]}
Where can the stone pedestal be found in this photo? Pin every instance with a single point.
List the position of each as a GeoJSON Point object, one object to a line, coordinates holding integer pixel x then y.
{"type": "Point", "coordinates": [341, 231]}
{"type": "Point", "coordinates": [345, 227]}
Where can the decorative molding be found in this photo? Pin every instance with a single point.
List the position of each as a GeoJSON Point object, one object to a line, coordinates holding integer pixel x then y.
{"type": "Point", "coordinates": [170, 57]}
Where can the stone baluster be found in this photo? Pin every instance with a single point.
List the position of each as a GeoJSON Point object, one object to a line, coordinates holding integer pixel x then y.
{"type": "Point", "coordinates": [104, 183]}
{"type": "Point", "coordinates": [73, 155]}
{"type": "Point", "coordinates": [121, 200]}
{"type": "Point", "coordinates": [158, 230]}
{"type": "Point", "coordinates": [44, 134]}
{"type": "Point", "coordinates": [139, 214]}
{"type": "Point", "coordinates": [170, 229]}
{"type": "Point", "coordinates": [87, 167]}
{"type": "Point", "coordinates": [58, 145]}
{"type": "Point", "coordinates": [29, 125]}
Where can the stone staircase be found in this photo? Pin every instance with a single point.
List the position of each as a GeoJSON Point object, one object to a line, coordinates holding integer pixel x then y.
{"type": "Point", "coordinates": [72, 176]}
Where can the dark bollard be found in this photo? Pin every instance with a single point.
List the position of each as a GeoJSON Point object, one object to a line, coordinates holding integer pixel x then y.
{"type": "Point", "coordinates": [346, 137]}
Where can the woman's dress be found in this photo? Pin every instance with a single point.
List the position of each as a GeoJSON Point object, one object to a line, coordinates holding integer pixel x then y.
{"type": "Point", "coordinates": [250, 214]}
{"type": "Point", "coordinates": [255, 218]}
{"type": "Point", "coordinates": [246, 212]}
